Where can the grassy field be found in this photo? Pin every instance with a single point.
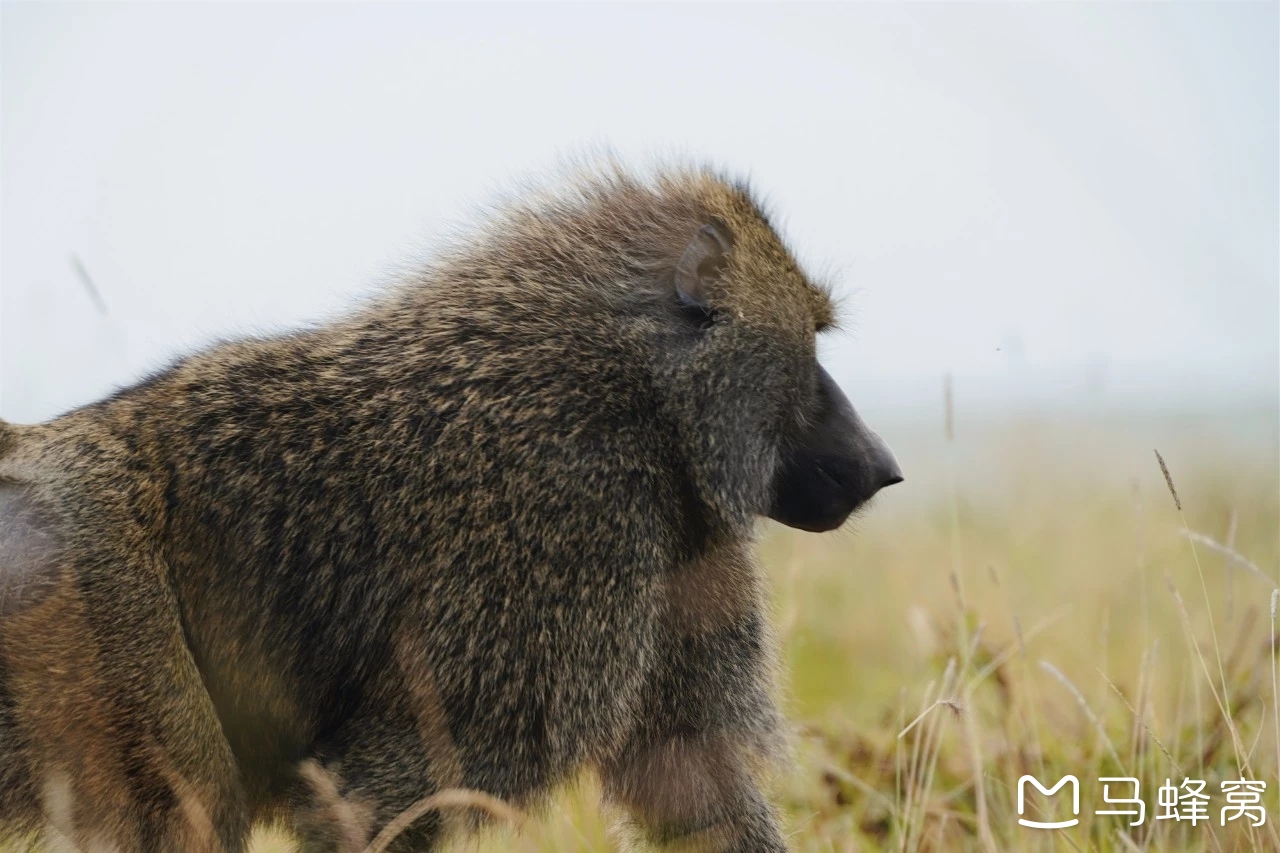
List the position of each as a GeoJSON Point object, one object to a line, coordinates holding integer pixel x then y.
{"type": "Point", "coordinates": [1030, 601]}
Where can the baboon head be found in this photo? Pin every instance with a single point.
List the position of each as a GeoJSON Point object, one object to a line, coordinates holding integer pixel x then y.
{"type": "Point", "coordinates": [721, 314]}
{"type": "Point", "coordinates": [771, 411]}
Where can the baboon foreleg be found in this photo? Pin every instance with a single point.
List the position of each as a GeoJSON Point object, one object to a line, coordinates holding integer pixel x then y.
{"type": "Point", "coordinates": [688, 775]}
{"type": "Point", "coordinates": [694, 793]}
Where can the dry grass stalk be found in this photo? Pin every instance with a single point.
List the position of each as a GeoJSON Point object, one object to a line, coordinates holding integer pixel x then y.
{"type": "Point", "coordinates": [1084, 706]}
{"type": "Point", "coordinates": [1141, 723]}
{"type": "Point", "coordinates": [1232, 555]}
{"type": "Point", "coordinates": [352, 823]}
{"type": "Point", "coordinates": [446, 799]}
{"type": "Point", "coordinates": [1168, 481]}
{"type": "Point", "coordinates": [1241, 758]}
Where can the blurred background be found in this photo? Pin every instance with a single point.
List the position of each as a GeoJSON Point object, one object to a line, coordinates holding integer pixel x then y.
{"type": "Point", "coordinates": [1066, 214]}
{"type": "Point", "coordinates": [1062, 205]}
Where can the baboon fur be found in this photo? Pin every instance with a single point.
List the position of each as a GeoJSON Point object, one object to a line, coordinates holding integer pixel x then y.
{"type": "Point", "coordinates": [492, 528]}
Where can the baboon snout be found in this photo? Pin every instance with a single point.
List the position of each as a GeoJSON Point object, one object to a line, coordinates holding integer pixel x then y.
{"type": "Point", "coordinates": [836, 466]}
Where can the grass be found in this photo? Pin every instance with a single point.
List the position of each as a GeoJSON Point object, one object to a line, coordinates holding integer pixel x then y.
{"type": "Point", "coordinates": [1033, 600]}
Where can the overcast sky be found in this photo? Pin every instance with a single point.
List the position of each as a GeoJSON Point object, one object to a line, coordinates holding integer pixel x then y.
{"type": "Point", "coordinates": [1064, 199]}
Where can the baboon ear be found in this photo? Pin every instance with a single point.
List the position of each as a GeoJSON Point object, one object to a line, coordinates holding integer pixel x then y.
{"type": "Point", "coordinates": [703, 260]}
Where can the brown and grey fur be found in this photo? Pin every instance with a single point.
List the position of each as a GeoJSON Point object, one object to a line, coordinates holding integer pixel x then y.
{"type": "Point", "coordinates": [491, 529]}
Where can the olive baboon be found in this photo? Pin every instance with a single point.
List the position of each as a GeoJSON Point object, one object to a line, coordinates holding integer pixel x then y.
{"type": "Point", "coordinates": [491, 529]}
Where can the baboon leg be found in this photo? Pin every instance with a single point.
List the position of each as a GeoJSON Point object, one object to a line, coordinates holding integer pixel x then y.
{"type": "Point", "coordinates": [687, 776]}
{"type": "Point", "coordinates": [693, 793]}
{"type": "Point", "coordinates": [118, 739]}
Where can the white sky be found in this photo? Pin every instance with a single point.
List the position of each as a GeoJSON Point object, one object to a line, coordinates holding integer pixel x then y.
{"type": "Point", "coordinates": [1043, 200]}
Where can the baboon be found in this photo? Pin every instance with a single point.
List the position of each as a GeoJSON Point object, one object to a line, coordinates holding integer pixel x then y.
{"type": "Point", "coordinates": [492, 529]}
